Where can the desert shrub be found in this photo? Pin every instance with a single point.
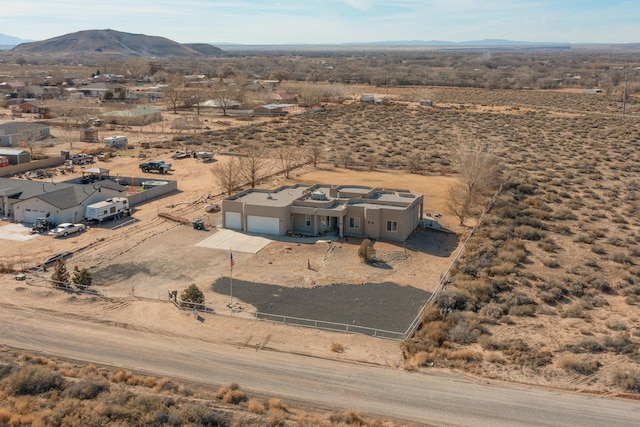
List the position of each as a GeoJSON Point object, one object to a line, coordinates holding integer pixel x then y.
{"type": "Point", "coordinates": [528, 232]}
{"type": "Point", "coordinates": [32, 380]}
{"type": "Point", "coordinates": [547, 244]}
{"type": "Point", "coordinates": [494, 310]}
{"type": "Point", "coordinates": [628, 380]}
{"type": "Point", "coordinates": [277, 405]}
{"type": "Point", "coordinates": [465, 354]}
{"type": "Point", "coordinates": [85, 390]}
{"type": "Point", "coordinates": [551, 263]}
{"type": "Point", "coordinates": [495, 357]}
{"type": "Point", "coordinates": [587, 345]}
{"type": "Point", "coordinates": [366, 251]}
{"type": "Point", "coordinates": [580, 365]}
{"type": "Point", "coordinates": [622, 258]}
{"type": "Point", "coordinates": [453, 299]}
{"type": "Point", "coordinates": [520, 353]}
{"type": "Point", "coordinates": [574, 311]}
{"type": "Point", "coordinates": [337, 347]}
{"type": "Point", "coordinates": [255, 406]}
{"type": "Point", "coordinates": [199, 414]}
{"type": "Point", "coordinates": [619, 344]}
{"type": "Point", "coordinates": [6, 370]}
{"type": "Point", "coordinates": [466, 330]}
{"type": "Point", "coordinates": [231, 394]}
{"type": "Point", "coordinates": [165, 384]}
{"type": "Point", "coordinates": [616, 325]}
{"type": "Point", "coordinates": [528, 310]}
{"type": "Point", "coordinates": [120, 376]}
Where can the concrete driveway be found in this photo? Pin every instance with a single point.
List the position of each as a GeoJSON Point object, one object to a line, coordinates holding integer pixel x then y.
{"type": "Point", "coordinates": [233, 240]}
{"type": "Point", "coordinates": [17, 232]}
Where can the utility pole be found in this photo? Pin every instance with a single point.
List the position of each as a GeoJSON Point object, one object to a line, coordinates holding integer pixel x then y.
{"type": "Point", "coordinates": [624, 92]}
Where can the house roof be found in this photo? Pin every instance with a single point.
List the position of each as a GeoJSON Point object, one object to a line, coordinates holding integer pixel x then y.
{"type": "Point", "coordinates": [11, 152]}
{"type": "Point", "coordinates": [276, 106]}
{"type": "Point", "coordinates": [135, 112]}
{"type": "Point", "coordinates": [60, 195]}
{"type": "Point", "coordinates": [66, 197]}
{"type": "Point", "coordinates": [17, 127]}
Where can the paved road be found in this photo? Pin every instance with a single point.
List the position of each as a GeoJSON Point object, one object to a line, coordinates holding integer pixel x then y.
{"type": "Point", "coordinates": [426, 399]}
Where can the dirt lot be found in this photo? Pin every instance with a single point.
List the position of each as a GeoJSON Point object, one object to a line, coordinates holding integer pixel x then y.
{"type": "Point", "coordinates": [137, 264]}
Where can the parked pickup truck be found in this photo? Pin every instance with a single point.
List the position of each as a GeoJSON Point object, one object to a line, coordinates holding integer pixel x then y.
{"type": "Point", "coordinates": [156, 165]}
{"type": "Point", "coordinates": [67, 228]}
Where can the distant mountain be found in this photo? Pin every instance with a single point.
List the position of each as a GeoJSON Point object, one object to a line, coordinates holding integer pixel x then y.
{"type": "Point", "coordinates": [205, 49]}
{"type": "Point", "coordinates": [7, 42]}
{"type": "Point", "coordinates": [484, 42]}
{"type": "Point", "coordinates": [111, 43]}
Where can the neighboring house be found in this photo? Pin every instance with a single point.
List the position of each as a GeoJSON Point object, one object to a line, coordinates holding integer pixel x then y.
{"type": "Point", "coordinates": [272, 110]}
{"type": "Point", "coordinates": [359, 211]}
{"type": "Point", "coordinates": [229, 104]}
{"type": "Point", "coordinates": [13, 132]}
{"type": "Point", "coordinates": [284, 97]}
{"type": "Point", "coordinates": [32, 108]}
{"type": "Point", "coordinates": [16, 156]}
{"type": "Point", "coordinates": [98, 90]}
{"type": "Point", "coordinates": [134, 117]}
{"type": "Point", "coordinates": [24, 200]}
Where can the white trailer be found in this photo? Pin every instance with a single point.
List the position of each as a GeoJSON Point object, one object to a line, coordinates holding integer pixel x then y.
{"type": "Point", "coordinates": [117, 141]}
{"type": "Point", "coordinates": [115, 207]}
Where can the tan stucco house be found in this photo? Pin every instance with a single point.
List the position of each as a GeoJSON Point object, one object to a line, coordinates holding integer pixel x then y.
{"type": "Point", "coordinates": [346, 210]}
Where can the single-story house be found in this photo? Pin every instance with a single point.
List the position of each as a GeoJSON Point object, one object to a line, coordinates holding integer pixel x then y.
{"type": "Point", "coordinates": [219, 103]}
{"type": "Point", "coordinates": [99, 89]}
{"type": "Point", "coordinates": [346, 210]}
{"type": "Point", "coordinates": [134, 117]}
{"type": "Point", "coordinates": [13, 132]}
{"type": "Point", "coordinates": [16, 156]}
{"type": "Point", "coordinates": [32, 108]}
{"type": "Point", "coordinates": [272, 110]}
{"type": "Point", "coordinates": [24, 200]}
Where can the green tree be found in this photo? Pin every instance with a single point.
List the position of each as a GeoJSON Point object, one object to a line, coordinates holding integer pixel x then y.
{"type": "Point", "coordinates": [82, 278]}
{"type": "Point", "coordinates": [108, 96]}
{"type": "Point", "coordinates": [192, 294]}
{"type": "Point", "coordinates": [366, 251]}
{"type": "Point", "coordinates": [60, 276]}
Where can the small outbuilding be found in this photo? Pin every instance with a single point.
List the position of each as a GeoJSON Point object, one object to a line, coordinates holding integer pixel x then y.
{"type": "Point", "coordinates": [117, 141]}
{"type": "Point", "coordinates": [16, 156]}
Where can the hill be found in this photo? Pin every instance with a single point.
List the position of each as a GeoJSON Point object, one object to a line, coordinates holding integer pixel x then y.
{"type": "Point", "coordinates": [112, 43]}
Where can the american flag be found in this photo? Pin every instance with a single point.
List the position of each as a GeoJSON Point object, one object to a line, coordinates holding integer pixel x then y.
{"type": "Point", "coordinates": [232, 262]}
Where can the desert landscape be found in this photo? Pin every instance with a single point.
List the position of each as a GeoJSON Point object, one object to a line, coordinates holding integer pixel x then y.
{"type": "Point", "coordinates": [538, 284]}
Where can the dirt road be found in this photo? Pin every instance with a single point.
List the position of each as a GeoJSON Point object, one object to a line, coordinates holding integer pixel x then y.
{"type": "Point", "coordinates": [421, 398]}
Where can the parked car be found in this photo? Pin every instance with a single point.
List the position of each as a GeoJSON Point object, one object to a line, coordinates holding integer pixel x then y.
{"type": "Point", "coordinates": [67, 228]}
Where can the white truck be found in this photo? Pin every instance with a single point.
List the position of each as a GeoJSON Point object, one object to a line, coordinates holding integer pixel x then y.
{"type": "Point", "coordinates": [116, 207]}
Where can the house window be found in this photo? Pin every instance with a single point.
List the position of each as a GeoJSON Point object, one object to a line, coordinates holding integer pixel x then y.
{"type": "Point", "coordinates": [354, 222]}
{"type": "Point", "coordinates": [392, 225]}
{"type": "Point", "coordinates": [307, 220]}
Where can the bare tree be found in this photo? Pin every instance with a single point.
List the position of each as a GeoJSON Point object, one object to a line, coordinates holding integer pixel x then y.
{"type": "Point", "coordinates": [459, 202]}
{"type": "Point", "coordinates": [344, 157]}
{"type": "Point", "coordinates": [479, 174]}
{"type": "Point", "coordinates": [253, 164]}
{"type": "Point", "coordinates": [227, 175]}
{"type": "Point", "coordinates": [315, 153]}
{"type": "Point", "coordinates": [371, 161]}
{"type": "Point", "coordinates": [289, 156]}
{"type": "Point", "coordinates": [415, 164]}
{"type": "Point", "coordinates": [174, 93]}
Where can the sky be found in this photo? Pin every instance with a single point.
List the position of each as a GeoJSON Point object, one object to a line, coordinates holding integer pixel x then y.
{"type": "Point", "coordinates": [330, 21]}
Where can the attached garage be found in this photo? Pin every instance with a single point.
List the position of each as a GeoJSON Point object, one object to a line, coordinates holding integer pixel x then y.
{"type": "Point", "coordinates": [263, 224]}
{"type": "Point", "coordinates": [31, 215]}
{"type": "Point", "coordinates": [233, 220]}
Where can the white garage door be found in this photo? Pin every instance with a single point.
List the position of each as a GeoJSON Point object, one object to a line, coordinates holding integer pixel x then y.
{"type": "Point", "coordinates": [263, 225]}
{"type": "Point", "coordinates": [233, 220]}
{"type": "Point", "coordinates": [30, 215]}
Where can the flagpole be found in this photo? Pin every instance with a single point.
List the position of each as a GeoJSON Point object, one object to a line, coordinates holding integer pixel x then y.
{"type": "Point", "coordinates": [231, 280]}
